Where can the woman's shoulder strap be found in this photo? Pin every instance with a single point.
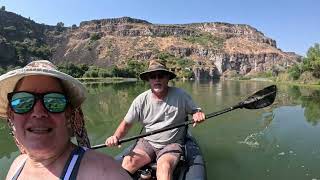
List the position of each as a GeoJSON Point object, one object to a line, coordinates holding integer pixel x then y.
{"type": "Point", "coordinates": [21, 166]}
{"type": "Point", "coordinates": [70, 170]}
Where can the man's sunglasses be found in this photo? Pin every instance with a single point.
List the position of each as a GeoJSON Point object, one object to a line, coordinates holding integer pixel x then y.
{"type": "Point", "coordinates": [23, 102]}
{"type": "Point", "coordinates": [157, 76]}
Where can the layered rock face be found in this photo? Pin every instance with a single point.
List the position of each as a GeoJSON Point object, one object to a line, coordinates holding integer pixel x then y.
{"type": "Point", "coordinates": [215, 48]}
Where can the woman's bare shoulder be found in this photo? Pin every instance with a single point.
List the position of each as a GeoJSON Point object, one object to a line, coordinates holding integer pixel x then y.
{"type": "Point", "coordinates": [96, 165]}
{"type": "Point", "coordinates": [16, 164]}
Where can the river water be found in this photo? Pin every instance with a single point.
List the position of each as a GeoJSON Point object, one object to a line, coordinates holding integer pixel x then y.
{"type": "Point", "coordinates": [277, 142]}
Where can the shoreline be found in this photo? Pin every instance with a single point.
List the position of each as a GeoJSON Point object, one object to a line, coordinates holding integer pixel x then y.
{"type": "Point", "coordinates": [280, 82]}
{"type": "Point", "coordinates": [108, 80]}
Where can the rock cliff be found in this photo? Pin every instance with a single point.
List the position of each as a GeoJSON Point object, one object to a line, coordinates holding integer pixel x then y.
{"type": "Point", "coordinates": [215, 48]}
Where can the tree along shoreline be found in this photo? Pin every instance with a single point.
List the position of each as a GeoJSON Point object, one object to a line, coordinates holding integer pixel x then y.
{"type": "Point", "coordinates": [305, 73]}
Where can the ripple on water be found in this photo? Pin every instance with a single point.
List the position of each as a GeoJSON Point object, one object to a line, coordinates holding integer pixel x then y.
{"type": "Point", "coordinates": [252, 140]}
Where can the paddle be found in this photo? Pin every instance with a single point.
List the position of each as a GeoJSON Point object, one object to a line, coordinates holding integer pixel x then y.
{"type": "Point", "coordinates": [260, 99]}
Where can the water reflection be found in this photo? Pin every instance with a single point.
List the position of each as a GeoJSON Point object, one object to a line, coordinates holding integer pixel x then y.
{"type": "Point", "coordinates": [312, 107]}
{"type": "Point", "coordinates": [277, 141]}
{"type": "Point", "coordinates": [308, 98]}
{"type": "Point", "coordinates": [6, 148]}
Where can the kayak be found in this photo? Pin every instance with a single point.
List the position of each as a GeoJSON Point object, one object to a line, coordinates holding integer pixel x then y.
{"type": "Point", "coordinates": [190, 167]}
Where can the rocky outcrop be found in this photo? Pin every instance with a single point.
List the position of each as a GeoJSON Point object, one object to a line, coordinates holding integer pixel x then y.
{"type": "Point", "coordinates": [241, 63]}
{"type": "Point", "coordinates": [214, 47]}
{"type": "Point", "coordinates": [234, 30]}
{"type": "Point", "coordinates": [112, 21]}
{"type": "Point", "coordinates": [133, 30]}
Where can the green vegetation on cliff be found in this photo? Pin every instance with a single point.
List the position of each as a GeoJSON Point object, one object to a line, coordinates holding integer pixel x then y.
{"type": "Point", "coordinates": [181, 66]}
{"type": "Point", "coordinates": [206, 40]}
{"type": "Point", "coordinates": [29, 48]}
{"type": "Point", "coordinates": [22, 40]}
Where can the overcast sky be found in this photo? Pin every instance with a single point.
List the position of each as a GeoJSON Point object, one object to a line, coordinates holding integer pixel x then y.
{"type": "Point", "coordinates": [294, 24]}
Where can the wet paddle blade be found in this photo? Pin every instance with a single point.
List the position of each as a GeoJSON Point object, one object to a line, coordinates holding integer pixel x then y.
{"type": "Point", "coordinates": [260, 99]}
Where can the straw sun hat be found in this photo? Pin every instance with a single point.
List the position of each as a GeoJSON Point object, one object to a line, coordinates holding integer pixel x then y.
{"type": "Point", "coordinates": [155, 65]}
{"type": "Point", "coordinates": [75, 90]}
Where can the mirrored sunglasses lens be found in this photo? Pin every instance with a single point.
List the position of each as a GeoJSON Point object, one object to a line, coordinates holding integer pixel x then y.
{"type": "Point", "coordinates": [22, 102]}
{"type": "Point", "coordinates": [55, 102]}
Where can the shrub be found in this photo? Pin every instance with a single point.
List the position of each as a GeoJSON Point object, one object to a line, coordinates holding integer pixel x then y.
{"type": "Point", "coordinates": [185, 73]}
{"type": "Point", "coordinates": [72, 70]}
{"type": "Point", "coordinates": [134, 68]}
{"type": "Point", "coordinates": [94, 74]}
{"type": "Point", "coordinates": [94, 71]}
{"type": "Point", "coordinates": [74, 26]}
{"type": "Point", "coordinates": [164, 55]}
{"type": "Point", "coordinates": [60, 26]}
{"type": "Point", "coordinates": [316, 68]}
{"type": "Point", "coordinates": [31, 47]}
{"type": "Point", "coordinates": [104, 73]}
{"type": "Point", "coordinates": [95, 37]}
{"type": "Point", "coordinates": [183, 63]}
{"type": "Point", "coordinates": [84, 67]}
{"type": "Point", "coordinates": [266, 74]}
{"type": "Point", "coordinates": [295, 72]}
{"type": "Point", "coordinates": [283, 77]}
{"type": "Point", "coordinates": [312, 61]}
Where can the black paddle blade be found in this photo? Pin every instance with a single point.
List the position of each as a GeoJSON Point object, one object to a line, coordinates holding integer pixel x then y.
{"type": "Point", "coordinates": [260, 99]}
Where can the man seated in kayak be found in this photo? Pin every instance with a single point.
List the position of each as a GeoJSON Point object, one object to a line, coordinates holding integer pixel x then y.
{"type": "Point", "coordinates": [43, 109]}
{"type": "Point", "coordinates": [157, 108]}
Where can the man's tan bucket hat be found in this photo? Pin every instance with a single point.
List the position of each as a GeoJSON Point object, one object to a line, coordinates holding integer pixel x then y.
{"type": "Point", "coordinates": [155, 65]}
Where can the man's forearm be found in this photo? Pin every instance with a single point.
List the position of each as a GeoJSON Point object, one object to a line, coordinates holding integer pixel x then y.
{"type": "Point", "coordinates": [122, 129]}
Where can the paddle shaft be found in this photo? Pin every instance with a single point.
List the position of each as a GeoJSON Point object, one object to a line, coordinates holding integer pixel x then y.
{"type": "Point", "coordinates": [169, 127]}
{"type": "Point", "coordinates": [258, 100]}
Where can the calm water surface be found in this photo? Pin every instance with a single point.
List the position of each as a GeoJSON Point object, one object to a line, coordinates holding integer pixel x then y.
{"type": "Point", "coordinates": [278, 142]}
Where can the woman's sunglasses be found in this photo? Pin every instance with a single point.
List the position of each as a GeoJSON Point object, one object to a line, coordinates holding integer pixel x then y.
{"type": "Point", "coordinates": [23, 102]}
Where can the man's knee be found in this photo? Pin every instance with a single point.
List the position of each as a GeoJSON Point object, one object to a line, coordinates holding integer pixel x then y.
{"type": "Point", "coordinates": [135, 160]}
{"type": "Point", "coordinates": [165, 169]}
{"type": "Point", "coordinates": [167, 163]}
{"type": "Point", "coordinates": [164, 166]}
{"type": "Point", "coordinates": [129, 163]}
